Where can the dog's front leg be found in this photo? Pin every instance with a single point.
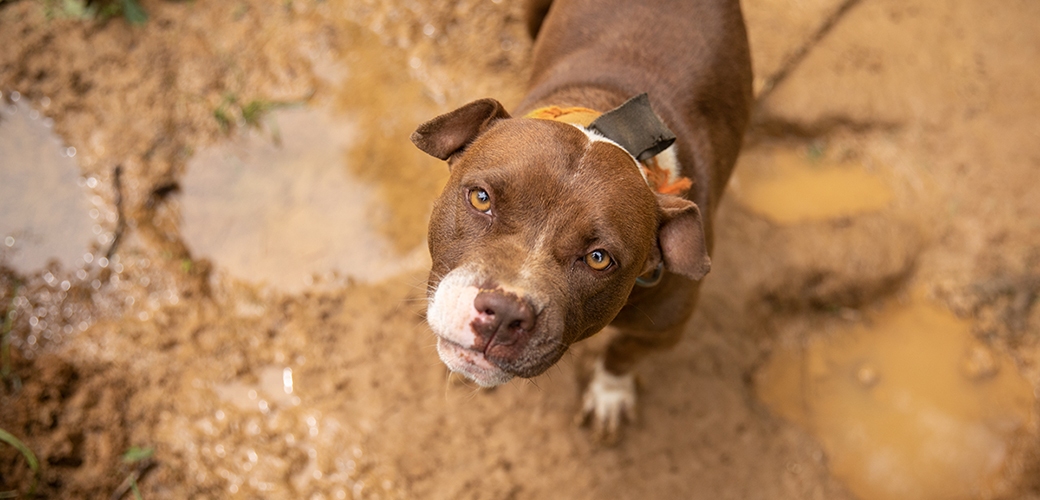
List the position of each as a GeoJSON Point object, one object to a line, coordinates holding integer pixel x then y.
{"type": "Point", "coordinates": [610, 398]}
{"type": "Point", "coordinates": [654, 320]}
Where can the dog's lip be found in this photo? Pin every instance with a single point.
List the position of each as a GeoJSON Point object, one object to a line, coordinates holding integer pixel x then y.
{"type": "Point", "coordinates": [471, 363]}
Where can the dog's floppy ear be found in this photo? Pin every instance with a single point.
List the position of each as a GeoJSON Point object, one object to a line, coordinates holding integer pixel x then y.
{"type": "Point", "coordinates": [445, 135]}
{"type": "Point", "coordinates": [681, 237]}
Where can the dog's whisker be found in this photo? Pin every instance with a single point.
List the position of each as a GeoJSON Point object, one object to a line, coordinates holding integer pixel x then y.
{"type": "Point", "coordinates": [447, 383]}
{"type": "Point", "coordinates": [473, 393]}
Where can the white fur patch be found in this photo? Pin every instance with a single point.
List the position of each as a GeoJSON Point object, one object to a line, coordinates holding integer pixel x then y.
{"type": "Point", "coordinates": [450, 314]}
{"type": "Point", "coordinates": [609, 399]}
{"type": "Point", "coordinates": [668, 161]}
{"type": "Point", "coordinates": [451, 311]}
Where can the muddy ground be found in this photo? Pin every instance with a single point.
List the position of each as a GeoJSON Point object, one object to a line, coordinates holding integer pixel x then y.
{"type": "Point", "coordinates": [867, 330]}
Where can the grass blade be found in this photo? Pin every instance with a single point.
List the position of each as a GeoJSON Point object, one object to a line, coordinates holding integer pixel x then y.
{"type": "Point", "coordinates": [29, 456]}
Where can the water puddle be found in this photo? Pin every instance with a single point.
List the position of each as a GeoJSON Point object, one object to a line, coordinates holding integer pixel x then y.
{"type": "Point", "coordinates": [341, 193]}
{"type": "Point", "coordinates": [281, 214]}
{"type": "Point", "coordinates": [46, 211]}
{"type": "Point", "coordinates": [790, 185]}
{"type": "Point", "coordinates": [907, 405]}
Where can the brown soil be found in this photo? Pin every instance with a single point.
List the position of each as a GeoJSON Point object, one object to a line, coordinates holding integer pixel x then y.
{"type": "Point", "coordinates": [334, 389]}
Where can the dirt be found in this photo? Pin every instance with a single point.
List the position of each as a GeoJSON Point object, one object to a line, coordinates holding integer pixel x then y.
{"type": "Point", "coordinates": [234, 277]}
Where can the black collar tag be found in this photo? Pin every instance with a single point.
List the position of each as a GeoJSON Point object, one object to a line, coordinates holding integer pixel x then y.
{"type": "Point", "coordinates": [635, 127]}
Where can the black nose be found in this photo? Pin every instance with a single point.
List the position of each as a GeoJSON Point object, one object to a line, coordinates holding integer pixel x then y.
{"type": "Point", "coordinates": [504, 320]}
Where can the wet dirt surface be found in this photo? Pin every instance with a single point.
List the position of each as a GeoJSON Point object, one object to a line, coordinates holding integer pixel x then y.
{"type": "Point", "coordinates": [906, 403]}
{"type": "Point", "coordinates": [238, 268]}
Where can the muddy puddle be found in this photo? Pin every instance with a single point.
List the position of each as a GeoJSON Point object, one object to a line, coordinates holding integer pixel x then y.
{"type": "Point", "coordinates": [328, 192]}
{"type": "Point", "coordinates": [282, 207]}
{"type": "Point", "coordinates": [907, 404]}
{"type": "Point", "coordinates": [47, 207]}
{"type": "Point", "coordinates": [804, 183]}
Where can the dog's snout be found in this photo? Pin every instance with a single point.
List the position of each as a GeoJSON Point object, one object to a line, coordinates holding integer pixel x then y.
{"type": "Point", "coordinates": [505, 319]}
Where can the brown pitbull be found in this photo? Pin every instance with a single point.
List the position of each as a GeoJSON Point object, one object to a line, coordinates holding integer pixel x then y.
{"type": "Point", "coordinates": [581, 214]}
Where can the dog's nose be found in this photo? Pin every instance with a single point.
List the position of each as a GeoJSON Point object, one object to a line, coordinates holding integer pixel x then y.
{"type": "Point", "coordinates": [504, 318]}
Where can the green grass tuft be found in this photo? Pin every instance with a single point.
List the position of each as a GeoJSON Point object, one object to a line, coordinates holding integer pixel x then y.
{"type": "Point", "coordinates": [133, 13]}
{"type": "Point", "coordinates": [136, 454]}
{"type": "Point", "coordinates": [132, 456]}
{"type": "Point", "coordinates": [253, 112]}
{"type": "Point", "coordinates": [100, 10]}
{"type": "Point", "coordinates": [231, 112]}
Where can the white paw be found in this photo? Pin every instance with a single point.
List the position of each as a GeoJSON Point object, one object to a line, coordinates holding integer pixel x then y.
{"type": "Point", "coordinates": [610, 400]}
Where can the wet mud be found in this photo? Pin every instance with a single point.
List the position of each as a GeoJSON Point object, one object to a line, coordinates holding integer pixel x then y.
{"type": "Point", "coordinates": [213, 263]}
{"type": "Point", "coordinates": [907, 404]}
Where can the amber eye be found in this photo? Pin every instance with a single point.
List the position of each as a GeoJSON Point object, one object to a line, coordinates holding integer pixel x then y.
{"type": "Point", "coordinates": [480, 200]}
{"type": "Point", "coordinates": [598, 260]}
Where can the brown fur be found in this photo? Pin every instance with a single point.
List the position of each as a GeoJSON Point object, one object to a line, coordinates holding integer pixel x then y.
{"type": "Point", "coordinates": [692, 58]}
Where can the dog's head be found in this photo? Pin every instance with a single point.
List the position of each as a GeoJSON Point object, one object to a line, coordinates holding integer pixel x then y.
{"type": "Point", "coordinates": [539, 237]}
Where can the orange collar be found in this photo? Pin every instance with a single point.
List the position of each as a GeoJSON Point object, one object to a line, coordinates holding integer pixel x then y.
{"type": "Point", "coordinates": [572, 115]}
{"type": "Point", "coordinates": [664, 179]}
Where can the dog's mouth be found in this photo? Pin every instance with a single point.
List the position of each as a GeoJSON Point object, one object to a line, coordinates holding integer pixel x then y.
{"type": "Point", "coordinates": [491, 332]}
{"type": "Point", "coordinates": [472, 364]}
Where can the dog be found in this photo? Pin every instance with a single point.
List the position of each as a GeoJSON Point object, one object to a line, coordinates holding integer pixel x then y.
{"type": "Point", "coordinates": [591, 209]}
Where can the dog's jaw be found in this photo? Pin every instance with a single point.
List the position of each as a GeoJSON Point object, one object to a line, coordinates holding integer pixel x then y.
{"type": "Point", "coordinates": [451, 314]}
{"type": "Point", "coordinates": [471, 364]}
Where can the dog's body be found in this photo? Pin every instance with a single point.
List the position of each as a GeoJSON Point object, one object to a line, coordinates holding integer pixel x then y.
{"type": "Point", "coordinates": [544, 227]}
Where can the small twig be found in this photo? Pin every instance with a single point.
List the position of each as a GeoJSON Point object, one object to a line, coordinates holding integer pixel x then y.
{"type": "Point", "coordinates": [799, 55]}
{"type": "Point", "coordinates": [117, 185]}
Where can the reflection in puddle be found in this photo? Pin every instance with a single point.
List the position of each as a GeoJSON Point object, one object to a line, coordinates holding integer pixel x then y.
{"type": "Point", "coordinates": [788, 187]}
{"type": "Point", "coordinates": [345, 194]}
{"type": "Point", "coordinates": [281, 214]}
{"type": "Point", "coordinates": [389, 103]}
{"type": "Point", "coordinates": [910, 406]}
{"type": "Point", "coordinates": [46, 215]}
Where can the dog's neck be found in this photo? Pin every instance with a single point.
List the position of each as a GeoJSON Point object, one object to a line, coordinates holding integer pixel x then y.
{"type": "Point", "coordinates": [661, 172]}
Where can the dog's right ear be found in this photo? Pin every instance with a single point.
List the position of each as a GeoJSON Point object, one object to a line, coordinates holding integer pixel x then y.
{"type": "Point", "coordinates": [451, 132]}
{"type": "Point", "coordinates": [681, 237]}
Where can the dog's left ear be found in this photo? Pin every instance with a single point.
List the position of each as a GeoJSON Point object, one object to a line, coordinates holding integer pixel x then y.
{"type": "Point", "coordinates": [451, 132]}
{"type": "Point", "coordinates": [681, 237]}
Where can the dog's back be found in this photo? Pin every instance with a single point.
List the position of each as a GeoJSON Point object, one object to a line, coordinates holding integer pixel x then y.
{"type": "Point", "coordinates": [690, 56]}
